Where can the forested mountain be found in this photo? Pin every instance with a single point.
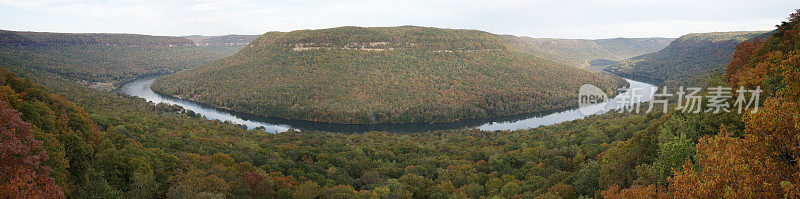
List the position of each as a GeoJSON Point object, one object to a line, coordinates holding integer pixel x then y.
{"type": "Point", "coordinates": [383, 75]}
{"type": "Point", "coordinates": [686, 61]}
{"type": "Point", "coordinates": [226, 45]}
{"type": "Point", "coordinates": [101, 59]}
{"type": "Point", "coordinates": [584, 53]}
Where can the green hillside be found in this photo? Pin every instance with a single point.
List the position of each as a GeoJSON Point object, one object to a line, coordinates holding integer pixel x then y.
{"type": "Point", "coordinates": [383, 75]}
{"type": "Point", "coordinates": [101, 59]}
{"type": "Point", "coordinates": [226, 45]}
{"type": "Point", "coordinates": [688, 60]}
{"type": "Point", "coordinates": [582, 52]}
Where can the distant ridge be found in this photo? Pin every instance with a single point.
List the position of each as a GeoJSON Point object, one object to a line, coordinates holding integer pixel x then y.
{"type": "Point", "coordinates": [76, 39]}
{"type": "Point", "coordinates": [582, 52]}
{"type": "Point", "coordinates": [100, 60]}
{"type": "Point", "coordinates": [688, 60]}
{"type": "Point", "coordinates": [226, 45]}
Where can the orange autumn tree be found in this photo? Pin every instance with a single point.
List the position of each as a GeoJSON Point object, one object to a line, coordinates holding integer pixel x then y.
{"type": "Point", "coordinates": [763, 162]}
{"type": "Point", "coordinates": [614, 192]}
{"type": "Point", "coordinates": [22, 173]}
{"type": "Point", "coordinates": [728, 167]}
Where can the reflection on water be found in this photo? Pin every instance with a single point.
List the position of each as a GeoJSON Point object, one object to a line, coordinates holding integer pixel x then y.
{"type": "Point", "coordinates": [643, 90]}
{"type": "Point", "coordinates": [141, 88]}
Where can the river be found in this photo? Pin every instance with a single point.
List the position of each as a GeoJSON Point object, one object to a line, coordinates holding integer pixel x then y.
{"type": "Point", "coordinates": [141, 88]}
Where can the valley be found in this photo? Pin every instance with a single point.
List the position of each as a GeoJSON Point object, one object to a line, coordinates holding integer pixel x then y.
{"type": "Point", "coordinates": [397, 112]}
{"type": "Point", "coordinates": [141, 88]}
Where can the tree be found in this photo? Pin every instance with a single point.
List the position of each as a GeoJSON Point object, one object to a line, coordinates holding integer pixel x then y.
{"type": "Point", "coordinates": [728, 167]}
{"type": "Point", "coordinates": [511, 189]}
{"type": "Point", "coordinates": [563, 190]}
{"type": "Point", "coordinates": [744, 53]}
{"type": "Point", "coordinates": [21, 158]}
{"type": "Point", "coordinates": [418, 185]}
{"type": "Point", "coordinates": [339, 192]}
{"type": "Point", "coordinates": [196, 183]}
{"type": "Point", "coordinates": [473, 190]}
{"type": "Point", "coordinates": [393, 190]}
{"type": "Point", "coordinates": [143, 183]}
{"type": "Point", "coordinates": [587, 179]}
{"type": "Point", "coordinates": [648, 192]}
{"type": "Point", "coordinates": [307, 190]}
{"type": "Point", "coordinates": [258, 185]}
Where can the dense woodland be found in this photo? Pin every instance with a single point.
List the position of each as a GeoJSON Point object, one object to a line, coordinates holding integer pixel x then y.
{"type": "Point", "coordinates": [65, 140]}
{"type": "Point", "coordinates": [138, 150]}
{"type": "Point", "coordinates": [101, 58]}
{"type": "Point", "coordinates": [383, 75]}
{"type": "Point", "coordinates": [581, 52]}
{"type": "Point", "coordinates": [688, 61]}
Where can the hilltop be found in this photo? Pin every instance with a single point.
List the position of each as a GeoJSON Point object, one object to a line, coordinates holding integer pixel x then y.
{"type": "Point", "coordinates": [688, 60]}
{"type": "Point", "coordinates": [403, 74]}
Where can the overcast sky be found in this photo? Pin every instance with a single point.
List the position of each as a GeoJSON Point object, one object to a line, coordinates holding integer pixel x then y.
{"type": "Point", "coordinates": [588, 19]}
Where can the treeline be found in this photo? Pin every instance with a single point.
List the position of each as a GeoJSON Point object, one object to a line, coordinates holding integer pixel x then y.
{"type": "Point", "coordinates": [103, 58]}
{"type": "Point", "coordinates": [581, 52]}
{"type": "Point", "coordinates": [418, 83]}
{"type": "Point", "coordinates": [689, 60]}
